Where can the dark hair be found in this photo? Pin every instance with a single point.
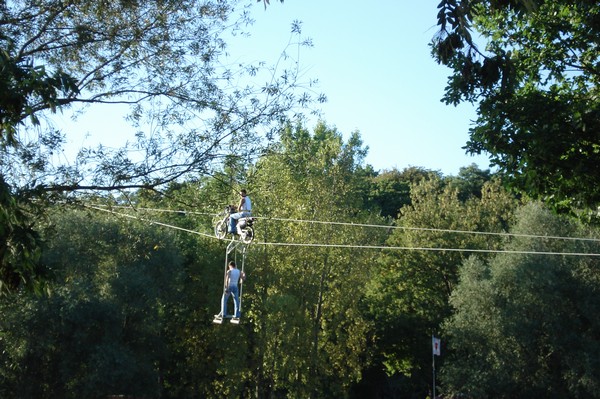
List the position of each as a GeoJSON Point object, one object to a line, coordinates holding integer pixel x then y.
{"type": "Point", "coordinates": [232, 263]}
{"type": "Point", "coordinates": [242, 191]}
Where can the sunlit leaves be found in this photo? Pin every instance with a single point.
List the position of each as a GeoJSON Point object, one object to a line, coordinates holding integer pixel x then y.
{"type": "Point", "coordinates": [531, 68]}
{"type": "Point", "coordinates": [316, 291]}
{"type": "Point", "coordinates": [167, 60]}
{"type": "Point", "coordinates": [409, 293]}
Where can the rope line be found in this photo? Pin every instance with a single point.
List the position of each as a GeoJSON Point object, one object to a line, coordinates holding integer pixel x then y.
{"type": "Point", "coordinates": [438, 230]}
{"type": "Point", "coordinates": [502, 234]}
{"type": "Point", "coordinates": [429, 249]}
{"type": "Point", "coordinates": [157, 209]}
{"type": "Point", "coordinates": [349, 246]}
{"type": "Point", "coordinates": [152, 222]}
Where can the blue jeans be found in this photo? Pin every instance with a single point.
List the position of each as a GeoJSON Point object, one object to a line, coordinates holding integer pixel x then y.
{"type": "Point", "coordinates": [233, 220]}
{"type": "Point", "coordinates": [236, 301]}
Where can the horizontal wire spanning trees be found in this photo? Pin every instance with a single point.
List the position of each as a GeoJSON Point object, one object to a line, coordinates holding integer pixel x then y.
{"type": "Point", "coordinates": [163, 62]}
{"type": "Point", "coordinates": [150, 292]}
{"type": "Point", "coordinates": [526, 326]}
{"type": "Point", "coordinates": [308, 278]}
{"type": "Point", "coordinates": [313, 275]}
{"type": "Point", "coordinates": [369, 235]}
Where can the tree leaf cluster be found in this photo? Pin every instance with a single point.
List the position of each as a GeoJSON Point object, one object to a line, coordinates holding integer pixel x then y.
{"type": "Point", "coordinates": [164, 64]}
{"type": "Point", "coordinates": [165, 60]}
{"type": "Point", "coordinates": [408, 294]}
{"type": "Point", "coordinates": [326, 312]}
{"type": "Point", "coordinates": [531, 66]}
{"type": "Point", "coordinates": [523, 324]}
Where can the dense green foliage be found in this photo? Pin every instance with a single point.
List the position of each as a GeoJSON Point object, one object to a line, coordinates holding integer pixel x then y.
{"type": "Point", "coordinates": [163, 64]}
{"type": "Point", "coordinates": [526, 325]}
{"type": "Point", "coordinates": [532, 67]}
{"type": "Point", "coordinates": [351, 271]}
{"type": "Point", "coordinates": [19, 245]}
{"type": "Point", "coordinates": [408, 294]}
{"type": "Point", "coordinates": [391, 189]}
{"type": "Point", "coordinates": [101, 331]}
{"type": "Point", "coordinates": [320, 349]}
{"type": "Point", "coordinates": [326, 312]}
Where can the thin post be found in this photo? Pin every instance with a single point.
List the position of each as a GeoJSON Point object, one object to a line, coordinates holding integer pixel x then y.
{"type": "Point", "coordinates": [433, 365]}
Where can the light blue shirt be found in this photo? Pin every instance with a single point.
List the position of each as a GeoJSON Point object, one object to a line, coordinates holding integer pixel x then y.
{"type": "Point", "coordinates": [247, 206]}
{"type": "Point", "coordinates": [234, 277]}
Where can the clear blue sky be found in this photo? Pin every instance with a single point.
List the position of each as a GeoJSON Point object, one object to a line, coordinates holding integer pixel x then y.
{"type": "Point", "coordinates": [373, 62]}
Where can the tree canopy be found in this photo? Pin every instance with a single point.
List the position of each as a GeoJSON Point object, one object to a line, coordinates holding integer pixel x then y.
{"type": "Point", "coordinates": [532, 67]}
{"type": "Point", "coordinates": [407, 280]}
{"type": "Point", "coordinates": [351, 270]}
{"type": "Point", "coordinates": [165, 62]}
{"type": "Point", "coordinates": [521, 325]}
{"type": "Point", "coordinates": [165, 59]}
{"type": "Point", "coordinates": [340, 300]}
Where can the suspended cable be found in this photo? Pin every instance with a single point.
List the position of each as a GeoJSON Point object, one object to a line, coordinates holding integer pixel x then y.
{"type": "Point", "coordinates": [435, 230]}
{"type": "Point", "coordinates": [428, 249]}
{"type": "Point", "coordinates": [349, 246]}
{"type": "Point", "coordinates": [502, 234]}
{"type": "Point", "coordinates": [151, 221]}
{"type": "Point", "coordinates": [156, 209]}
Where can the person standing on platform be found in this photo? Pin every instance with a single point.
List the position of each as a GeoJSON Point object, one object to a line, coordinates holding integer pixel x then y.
{"type": "Point", "coordinates": [232, 281]}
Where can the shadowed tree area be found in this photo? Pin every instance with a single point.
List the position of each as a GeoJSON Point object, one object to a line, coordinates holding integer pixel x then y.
{"type": "Point", "coordinates": [522, 326]}
{"type": "Point", "coordinates": [110, 271]}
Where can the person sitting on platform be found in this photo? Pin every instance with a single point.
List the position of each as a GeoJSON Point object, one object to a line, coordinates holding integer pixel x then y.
{"type": "Point", "coordinates": [244, 210]}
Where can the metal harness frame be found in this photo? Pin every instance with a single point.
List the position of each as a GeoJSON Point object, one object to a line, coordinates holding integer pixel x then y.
{"type": "Point", "coordinates": [234, 246]}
